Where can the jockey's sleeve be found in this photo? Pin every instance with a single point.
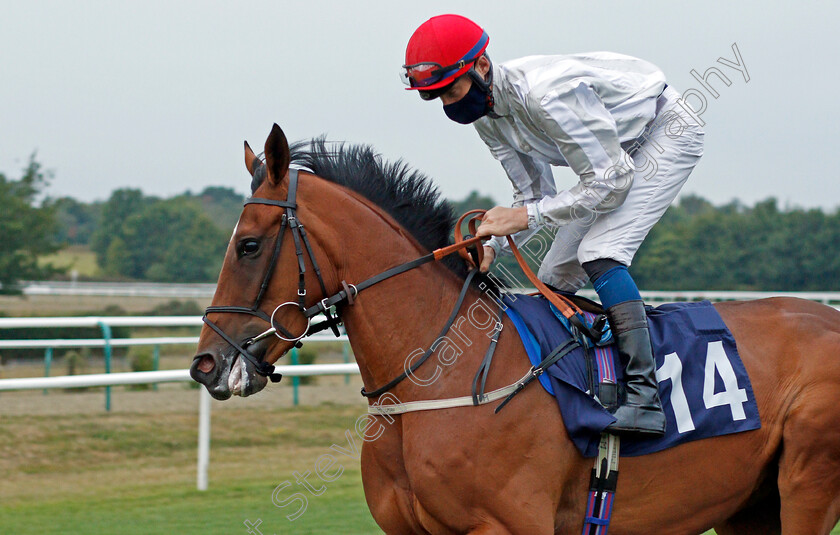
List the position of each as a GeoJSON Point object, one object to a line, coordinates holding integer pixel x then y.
{"type": "Point", "coordinates": [574, 117]}
{"type": "Point", "coordinates": [531, 180]}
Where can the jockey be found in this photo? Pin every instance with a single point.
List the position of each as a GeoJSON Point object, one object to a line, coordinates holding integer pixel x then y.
{"type": "Point", "coordinates": [614, 121]}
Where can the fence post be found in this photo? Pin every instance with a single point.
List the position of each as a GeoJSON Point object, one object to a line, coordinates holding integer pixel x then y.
{"type": "Point", "coordinates": [203, 438]}
{"type": "Point", "coordinates": [48, 355]}
{"type": "Point", "coordinates": [295, 378]}
{"type": "Point", "coordinates": [106, 334]}
{"type": "Point", "coordinates": [156, 362]}
{"type": "Point", "coordinates": [346, 351]}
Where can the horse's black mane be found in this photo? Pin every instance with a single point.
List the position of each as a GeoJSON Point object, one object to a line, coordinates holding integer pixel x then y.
{"type": "Point", "coordinates": [406, 194]}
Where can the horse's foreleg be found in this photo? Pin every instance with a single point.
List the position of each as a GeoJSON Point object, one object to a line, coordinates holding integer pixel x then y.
{"type": "Point", "coordinates": [386, 484]}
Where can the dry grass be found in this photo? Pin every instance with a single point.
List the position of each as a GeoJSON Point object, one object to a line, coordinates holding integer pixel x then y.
{"type": "Point", "coordinates": [69, 467]}
{"type": "Point", "coordinates": [133, 470]}
{"type": "Point", "coordinates": [62, 305]}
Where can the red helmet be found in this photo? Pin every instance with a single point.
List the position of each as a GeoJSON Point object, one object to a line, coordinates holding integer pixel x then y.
{"type": "Point", "coordinates": [442, 49]}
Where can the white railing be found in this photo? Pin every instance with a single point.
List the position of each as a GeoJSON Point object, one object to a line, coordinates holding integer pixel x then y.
{"type": "Point", "coordinates": [105, 323]}
{"type": "Point", "coordinates": [653, 296]}
{"type": "Point", "coordinates": [169, 376]}
{"type": "Point", "coordinates": [152, 377]}
{"type": "Point", "coordinates": [98, 321]}
{"type": "Point", "coordinates": [126, 342]}
{"type": "Point", "coordinates": [124, 289]}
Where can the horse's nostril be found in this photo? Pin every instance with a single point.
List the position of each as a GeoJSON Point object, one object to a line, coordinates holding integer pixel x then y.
{"type": "Point", "coordinates": [206, 364]}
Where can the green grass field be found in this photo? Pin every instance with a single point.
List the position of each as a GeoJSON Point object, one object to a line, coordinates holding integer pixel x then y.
{"type": "Point", "coordinates": [182, 510]}
{"type": "Point", "coordinates": [131, 473]}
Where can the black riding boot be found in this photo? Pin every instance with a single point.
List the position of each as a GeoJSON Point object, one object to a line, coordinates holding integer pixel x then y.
{"type": "Point", "coordinates": [642, 411]}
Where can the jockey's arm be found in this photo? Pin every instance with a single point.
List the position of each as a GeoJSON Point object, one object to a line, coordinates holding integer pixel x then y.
{"type": "Point", "coordinates": [585, 134]}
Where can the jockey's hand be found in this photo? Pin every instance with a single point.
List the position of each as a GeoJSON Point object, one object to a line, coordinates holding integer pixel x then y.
{"type": "Point", "coordinates": [489, 256]}
{"type": "Point", "coordinates": [501, 221]}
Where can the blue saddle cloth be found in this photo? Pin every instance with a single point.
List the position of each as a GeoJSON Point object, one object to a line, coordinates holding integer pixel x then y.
{"type": "Point", "coordinates": [703, 385]}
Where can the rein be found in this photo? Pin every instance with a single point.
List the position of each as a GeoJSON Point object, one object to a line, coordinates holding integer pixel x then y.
{"type": "Point", "coordinates": [349, 292]}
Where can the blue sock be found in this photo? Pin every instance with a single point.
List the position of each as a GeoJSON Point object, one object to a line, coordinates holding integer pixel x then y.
{"type": "Point", "coordinates": [616, 286]}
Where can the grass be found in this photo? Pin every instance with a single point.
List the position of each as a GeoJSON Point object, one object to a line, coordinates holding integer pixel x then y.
{"type": "Point", "coordinates": [77, 258]}
{"type": "Point", "coordinates": [135, 473]}
{"type": "Point", "coordinates": [183, 510]}
{"type": "Point", "coordinates": [75, 305]}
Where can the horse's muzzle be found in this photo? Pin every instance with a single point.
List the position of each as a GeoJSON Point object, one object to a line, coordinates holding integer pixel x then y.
{"type": "Point", "coordinates": [226, 375]}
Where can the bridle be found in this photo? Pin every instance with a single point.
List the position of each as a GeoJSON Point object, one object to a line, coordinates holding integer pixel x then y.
{"type": "Point", "coordinates": [301, 241]}
{"type": "Point", "coordinates": [349, 292]}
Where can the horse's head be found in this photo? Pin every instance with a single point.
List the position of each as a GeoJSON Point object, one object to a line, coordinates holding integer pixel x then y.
{"type": "Point", "coordinates": [363, 216]}
{"type": "Point", "coordinates": [262, 287]}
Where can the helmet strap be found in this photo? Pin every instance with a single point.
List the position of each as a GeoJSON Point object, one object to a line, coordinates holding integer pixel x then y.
{"type": "Point", "coordinates": [486, 86]}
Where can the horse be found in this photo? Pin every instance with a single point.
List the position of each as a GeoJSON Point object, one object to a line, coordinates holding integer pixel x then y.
{"type": "Point", "coordinates": [467, 469]}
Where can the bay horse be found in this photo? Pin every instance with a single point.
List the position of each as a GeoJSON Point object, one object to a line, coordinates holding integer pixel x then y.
{"type": "Point", "coordinates": [468, 470]}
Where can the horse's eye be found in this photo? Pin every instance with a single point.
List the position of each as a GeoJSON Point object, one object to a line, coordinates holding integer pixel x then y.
{"type": "Point", "coordinates": [248, 246]}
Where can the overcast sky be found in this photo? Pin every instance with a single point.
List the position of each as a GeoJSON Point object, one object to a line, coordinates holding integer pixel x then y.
{"type": "Point", "coordinates": [159, 95]}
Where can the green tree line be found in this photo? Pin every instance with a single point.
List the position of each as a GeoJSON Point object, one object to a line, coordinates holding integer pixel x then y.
{"type": "Point", "coordinates": [134, 236]}
{"type": "Point", "coordinates": [696, 245]}
{"type": "Point", "coordinates": [146, 238]}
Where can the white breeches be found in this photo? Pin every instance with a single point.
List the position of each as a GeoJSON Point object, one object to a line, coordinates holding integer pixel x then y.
{"type": "Point", "coordinates": [667, 152]}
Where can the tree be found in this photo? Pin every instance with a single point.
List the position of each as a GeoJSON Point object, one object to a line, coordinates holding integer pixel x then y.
{"type": "Point", "coordinates": [27, 228]}
{"type": "Point", "coordinates": [472, 201]}
{"type": "Point", "coordinates": [122, 204]}
{"type": "Point", "coordinates": [76, 220]}
{"type": "Point", "coordinates": [697, 246]}
{"type": "Point", "coordinates": [222, 205]}
{"type": "Point", "coordinates": [171, 240]}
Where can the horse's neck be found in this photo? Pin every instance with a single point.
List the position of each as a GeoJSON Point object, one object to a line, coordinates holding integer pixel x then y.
{"type": "Point", "coordinates": [394, 321]}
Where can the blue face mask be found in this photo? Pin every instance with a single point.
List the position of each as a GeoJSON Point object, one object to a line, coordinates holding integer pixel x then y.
{"type": "Point", "coordinates": [469, 109]}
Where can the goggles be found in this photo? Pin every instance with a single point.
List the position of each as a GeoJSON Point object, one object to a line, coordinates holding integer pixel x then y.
{"type": "Point", "coordinates": [426, 74]}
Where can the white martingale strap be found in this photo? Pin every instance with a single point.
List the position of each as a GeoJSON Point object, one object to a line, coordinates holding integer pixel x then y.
{"type": "Point", "coordinates": [448, 403]}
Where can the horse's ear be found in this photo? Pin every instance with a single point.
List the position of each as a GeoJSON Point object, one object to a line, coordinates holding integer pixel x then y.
{"type": "Point", "coordinates": [277, 155]}
{"type": "Point", "coordinates": [251, 160]}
